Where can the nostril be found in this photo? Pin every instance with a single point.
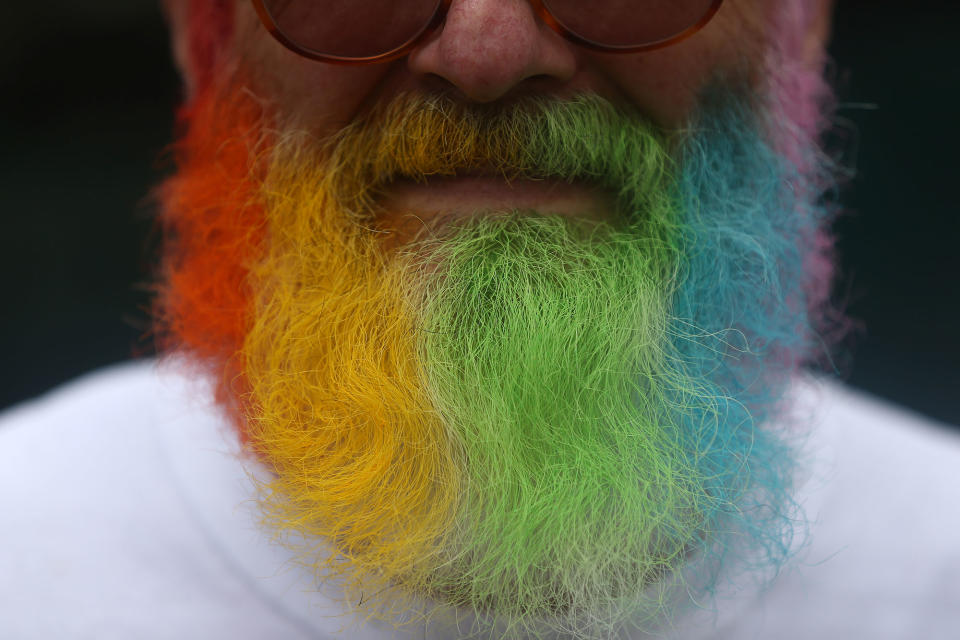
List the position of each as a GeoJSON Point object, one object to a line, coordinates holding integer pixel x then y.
{"type": "Point", "coordinates": [436, 83]}
{"type": "Point", "coordinates": [542, 77]}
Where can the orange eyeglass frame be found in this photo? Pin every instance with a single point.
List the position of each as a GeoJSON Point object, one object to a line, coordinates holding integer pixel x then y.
{"type": "Point", "coordinates": [440, 15]}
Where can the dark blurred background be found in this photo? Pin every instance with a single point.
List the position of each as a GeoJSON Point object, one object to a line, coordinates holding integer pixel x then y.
{"type": "Point", "coordinates": [87, 94]}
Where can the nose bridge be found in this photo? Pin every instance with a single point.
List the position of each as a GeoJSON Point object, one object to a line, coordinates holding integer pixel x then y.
{"type": "Point", "coordinates": [490, 29]}
{"type": "Point", "coordinates": [486, 47]}
{"type": "Point", "coordinates": [489, 13]}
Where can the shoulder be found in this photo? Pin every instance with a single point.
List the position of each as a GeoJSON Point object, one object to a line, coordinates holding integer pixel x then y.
{"type": "Point", "coordinates": [883, 557]}
{"type": "Point", "coordinates": [100, 539]}
{"type": "Point", "coordinates": [898, 464]}
{"type": "Point", "coordinates": [116, 399]}
{"type": "Point", "coordinates": [84, 430]}
{"type": "Point", "coordinates": [895, 490]}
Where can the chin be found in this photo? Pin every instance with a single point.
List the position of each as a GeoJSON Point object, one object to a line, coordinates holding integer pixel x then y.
{"type": "Point", "coordinates": [561, 419]}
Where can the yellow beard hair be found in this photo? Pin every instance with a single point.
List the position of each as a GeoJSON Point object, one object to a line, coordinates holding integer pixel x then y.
{"type": "Point", "coordinates": [336, 403]}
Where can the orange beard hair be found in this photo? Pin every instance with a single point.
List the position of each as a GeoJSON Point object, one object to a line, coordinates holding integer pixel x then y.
{"type": "Point", "coordinates": [213, 226]}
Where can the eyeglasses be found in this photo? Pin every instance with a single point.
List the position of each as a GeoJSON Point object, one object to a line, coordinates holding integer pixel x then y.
{"type": "Point", "coordinates": [370, 31]}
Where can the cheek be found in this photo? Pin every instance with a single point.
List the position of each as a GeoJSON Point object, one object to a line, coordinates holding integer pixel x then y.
{"type": "Point", "coordinates": [667, 83]}
{"type": "Point", "coordinates": [319, 97]}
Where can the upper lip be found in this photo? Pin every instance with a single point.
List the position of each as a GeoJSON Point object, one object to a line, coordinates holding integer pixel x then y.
{"type": "Point", "coordinates": [507, 174]}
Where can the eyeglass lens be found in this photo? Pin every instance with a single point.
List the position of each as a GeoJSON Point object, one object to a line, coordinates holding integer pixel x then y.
{"type": "Point", "coordinates": [368, 28]}
{"type": "Point", "coordinates": [351, 28]}
{"type": "Point", "coordinates": [628, 23]}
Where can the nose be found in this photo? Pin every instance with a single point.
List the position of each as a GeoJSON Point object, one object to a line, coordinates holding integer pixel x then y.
{"type": "Point", "coordinates": [488, 48]}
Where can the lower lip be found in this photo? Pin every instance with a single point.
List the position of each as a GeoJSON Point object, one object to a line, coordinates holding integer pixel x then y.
{"type": "Point", "coordinates": [463, 196]}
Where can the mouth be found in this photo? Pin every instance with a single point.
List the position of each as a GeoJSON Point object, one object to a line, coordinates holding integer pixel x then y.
{"type": "Point", "coordinates": [407, 205]}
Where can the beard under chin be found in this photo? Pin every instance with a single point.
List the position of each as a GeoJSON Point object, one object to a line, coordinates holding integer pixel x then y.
{"type": "Point", "coordinates": [534, 419]}
{"type": "Point", "coordinates": [544, 344]}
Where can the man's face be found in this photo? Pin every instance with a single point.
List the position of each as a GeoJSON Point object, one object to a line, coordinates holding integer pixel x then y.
{"type": "Point", "coordinates": [495, 52]}
{"type": "Point", "coordinates": [507, 320]}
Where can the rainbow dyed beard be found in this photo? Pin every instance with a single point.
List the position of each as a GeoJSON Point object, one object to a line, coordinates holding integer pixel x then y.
{"type": "Point", "coordinates": [537, 423]}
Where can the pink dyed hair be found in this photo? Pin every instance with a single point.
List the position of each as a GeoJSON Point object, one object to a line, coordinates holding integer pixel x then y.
{"type": "Point", "coordinates": [802, 102]}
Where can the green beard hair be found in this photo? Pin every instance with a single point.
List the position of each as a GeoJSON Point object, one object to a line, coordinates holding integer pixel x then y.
{"type": "Point", "coordinates": [604, 390]}
{"type": "Point", "coordinates": [543, 348]}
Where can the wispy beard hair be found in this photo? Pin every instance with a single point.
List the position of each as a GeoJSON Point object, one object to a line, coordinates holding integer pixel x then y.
{"type": "Point", "coordinates": [542, 424]}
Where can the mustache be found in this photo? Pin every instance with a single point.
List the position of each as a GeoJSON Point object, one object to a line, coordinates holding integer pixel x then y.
{"type": "Point", "coordinates": [585, 138]}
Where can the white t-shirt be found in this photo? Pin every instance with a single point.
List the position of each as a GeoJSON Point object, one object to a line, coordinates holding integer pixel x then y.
{"type": "Point", "coordinates": [128, 513]}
